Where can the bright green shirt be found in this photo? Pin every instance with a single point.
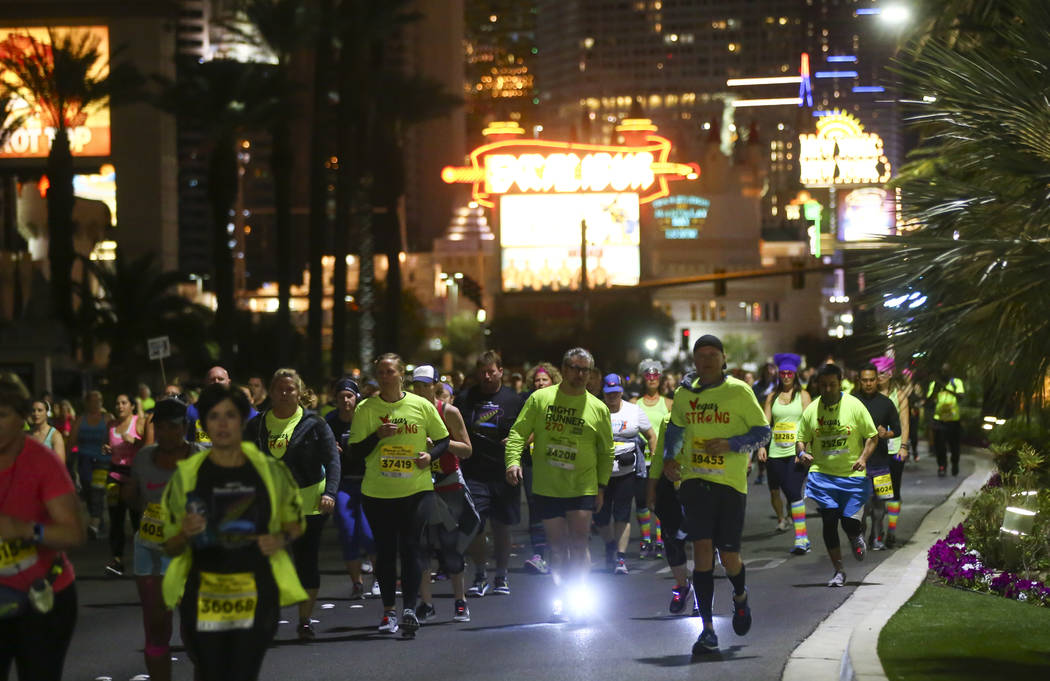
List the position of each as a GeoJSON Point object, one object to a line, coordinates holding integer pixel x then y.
{"type": "Point", "coordinates": [390, 468]}
{"type": "Point", "coordinates": [837, 434]}
{"type": "Point", "coordinates": [280, 434]}
{"type": "Point", "coordinates": [572, 449]}
{"type": "Point", "coordinates": [656, 414]}
{"type": "Point", "coordinates": [725, 411]}
{"type": "Point", "coordinates": [657, 469]}
{"type": "Point", "coordinates": [947, 407]}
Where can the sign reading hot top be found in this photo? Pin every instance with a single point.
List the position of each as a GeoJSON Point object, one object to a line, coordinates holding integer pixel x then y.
{"type": "Point", "coordinates": [841, 153]}
{"type": "Point", "coordinates": [512, 165]}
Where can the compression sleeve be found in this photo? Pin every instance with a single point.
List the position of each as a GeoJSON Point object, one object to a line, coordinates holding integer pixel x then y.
{"type": "Point", "coordinates": [439, 448]}
{"type": "Point", "coordinates": [749, 441]}
{"type": "Point", "coordinates": [359, 450]}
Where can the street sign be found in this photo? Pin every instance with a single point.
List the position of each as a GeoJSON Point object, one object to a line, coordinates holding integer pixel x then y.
{"type": "Point", "coordinates": [159, 347]}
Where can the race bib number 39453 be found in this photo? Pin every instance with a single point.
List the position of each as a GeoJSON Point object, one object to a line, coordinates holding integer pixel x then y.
{"type": "Point", "coordinates": [703, 463]}
{"type": "Point", "coordinates": [226, 601]}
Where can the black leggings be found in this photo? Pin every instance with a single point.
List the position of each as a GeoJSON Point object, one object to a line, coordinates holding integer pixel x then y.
{"type": "Point", "coordinates": [946, 436]}
{"type": "Point", "coordinates": [831, 518]}
{"type": "Point", "coordinates": [305, 551]}
{"type": "Point", "coordinates": [399, 527]}
{"type": "Point", "coordinates": [669, 510]}
{"type": "Point", "coordinates": [38, 643]}
{"type": "Point", "coordinates": [117, 511]}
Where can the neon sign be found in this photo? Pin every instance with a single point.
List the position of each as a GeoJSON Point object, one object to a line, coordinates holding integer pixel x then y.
{"type": "Point", "coordinates": [681, 217]}
{"type": "Point", "coordinates": [841, 153]}
{"type": "Point", "coordinates": [512, 165]}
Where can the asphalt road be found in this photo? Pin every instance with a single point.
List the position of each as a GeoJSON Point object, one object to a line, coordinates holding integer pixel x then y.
{"type": "Point", "coordinates": [630, 637]}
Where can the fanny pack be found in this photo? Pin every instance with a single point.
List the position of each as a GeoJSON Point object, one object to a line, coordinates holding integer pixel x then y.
{"type": "Point", "coordinates": [40, 597]}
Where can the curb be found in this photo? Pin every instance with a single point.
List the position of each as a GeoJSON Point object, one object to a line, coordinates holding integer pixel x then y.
{"type": "Point", "coordinates": [845, 645]}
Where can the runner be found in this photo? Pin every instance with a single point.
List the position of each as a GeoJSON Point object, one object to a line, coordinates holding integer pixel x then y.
{"type": "Point", "coordinates": [629, 425]}
{"type": "Point", "coordinates": [540, 376]}
{"type": "Point", "coordinates": [489, 409]}
{"type": "Point", "coordinates": [216, 375]}
{"type": "Point", "coordinates": [886, 464]}
{"type": "Point", "coordinates": [655, 406]}
{"type": "Point", "coordinates": [947, 427]}
{"type": "Point", "coordinates": [126, 437]}
{"type": "Point", "coordinates": [835, 438]}
{"type": "Point", "coordinates": [448, 542]}
{"type": "Point", "coordinates": [897, 390]}
{"type": "Point", "coordinates": [355, 536]}
{"type": "Point", "coordinates": [302, 440]}
{"type": "Point", "coordinates": [230, 511]}
{"type": "Point", "coordinates": [783, 408]}
{"type": "Point", "coordinates": [43, 432]}
{"type": "Point", "coordinates": [572, 459]}
{"type": "Point", "coordinates": [391, 430]}
{"type": "Point", "coordinates": [142, 491]}
{"type": "Point", "coordinates": [89, 434]}
{"type": "Point", "coordinates": [39, 519]}
{"type": "Point", "coordinates": [716, 423]}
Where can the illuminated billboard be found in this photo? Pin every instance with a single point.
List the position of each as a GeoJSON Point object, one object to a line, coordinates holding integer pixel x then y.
{"type": "Point", "coordinates": [841, 153]}
{"type": "Point", "coordinates": [540, 236]}
{"type": "Point", "coordinates": [866, 213]}
{"type": "Point", "coordinates": [89, 133]}
{"type": "Point", "coordinates": [680, 216]}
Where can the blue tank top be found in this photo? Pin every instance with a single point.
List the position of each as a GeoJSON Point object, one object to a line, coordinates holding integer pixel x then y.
{"type": "Point", "coordinates": [90, 439]}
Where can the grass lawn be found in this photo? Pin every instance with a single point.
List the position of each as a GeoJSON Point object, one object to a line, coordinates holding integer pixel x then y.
{"type": "Point", "coordinates": [946, 634]}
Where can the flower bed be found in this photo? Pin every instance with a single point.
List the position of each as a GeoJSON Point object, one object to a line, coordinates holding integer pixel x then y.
{"type": "Point", "coordinates": [952, 561]}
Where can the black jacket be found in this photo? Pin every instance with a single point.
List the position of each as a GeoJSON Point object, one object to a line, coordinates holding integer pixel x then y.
{"type": "Point", "coordinates": [311, 456]}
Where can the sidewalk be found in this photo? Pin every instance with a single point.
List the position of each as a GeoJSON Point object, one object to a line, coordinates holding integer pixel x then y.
{"type": "Point", "coordinates": [844, 646]}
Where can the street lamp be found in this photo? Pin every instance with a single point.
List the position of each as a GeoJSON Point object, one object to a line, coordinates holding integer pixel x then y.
{"type": "Point", "coordinates": [651, 344]}
{"type": "Point", "coordinates": [895, 14]}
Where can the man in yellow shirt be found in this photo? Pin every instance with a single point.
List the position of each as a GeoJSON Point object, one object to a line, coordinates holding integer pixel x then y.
{"type": "Point", "coordinates": [945, 391]}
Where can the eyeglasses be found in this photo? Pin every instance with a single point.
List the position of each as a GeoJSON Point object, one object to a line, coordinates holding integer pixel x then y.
{"type": "Point", "coordinates": [787, 372]}
{"type": "Point", "coordinates": [573, 367]}
{"type": "Point", "coordinates": [652, 374]}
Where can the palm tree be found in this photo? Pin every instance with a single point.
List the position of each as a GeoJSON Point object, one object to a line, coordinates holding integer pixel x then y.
{"type": "Point", "coordinates": [11, 119]}
{"type": "Point", "coordinates": [224, 99]}
{"type": "Point", "coordinates": [967, 285]}
{"type": "Point", "coordinates": [63, 81]}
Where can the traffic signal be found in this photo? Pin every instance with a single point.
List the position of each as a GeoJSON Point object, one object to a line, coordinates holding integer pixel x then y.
{"type": "Point", "coordinates": [720, 284]}
{"type": "Point", "coordinates": [471, 290]}
{"type": "Point", "coordinates": [685, 340]}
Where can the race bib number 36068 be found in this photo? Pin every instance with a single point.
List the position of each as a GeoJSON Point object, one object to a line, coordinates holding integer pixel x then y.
{"type": "Point", "coordinates": [226, 601]}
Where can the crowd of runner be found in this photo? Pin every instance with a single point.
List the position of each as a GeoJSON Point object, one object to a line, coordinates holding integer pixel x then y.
{"type": "Point", "coordinates": [227, 489]}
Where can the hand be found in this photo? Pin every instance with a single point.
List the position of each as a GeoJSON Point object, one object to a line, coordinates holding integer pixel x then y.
{"type": "Point", "coordinates": [270, 544]}
{"type": "Point", "coordinates": [671, 471]}
{"type": "Point", "coordinates": [805, 459]}
{"type": "Point", "coordinates": [386, 430]}
{"type": "Point", "coordinates": [129, 437]}
{"type": "Point", "coordinates": [193, 524]}
{"type": "Point", "coordinates": [423, 460]}
{"type": "Point", "coordinates": [13, 528]}
{"type": "Point", "coordinates": [762, 454]}
{"type": "Point", "coordinates": [718, 445]}
{"type": "Point", "coordinates": [859, 465]}
{"type": "Point", "coordinates": [326, 504]}
{"type": "Point", "coordinates": [514, 476]}
{"type": "Point", "coordinates": [883, 433]}
{"type": "Point", "coordinates": [106, 449]}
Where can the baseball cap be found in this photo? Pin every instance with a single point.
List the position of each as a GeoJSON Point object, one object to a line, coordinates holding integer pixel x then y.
{"type": "Point", "coordinates": [787, 361]}
{"type": "Point", "coordinates": [612, 383]}
{"type": "Point", "coordinates": [708, 341]}
{"type": "Point", "coordinates": [170, 410]}
{"type": "Point", "coordinates": [424, 374]}
{"type": "Point", "coordinates": [347, 384]}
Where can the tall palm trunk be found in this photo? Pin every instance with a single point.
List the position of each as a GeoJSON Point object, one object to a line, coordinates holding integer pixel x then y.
{"type": "Point", "coordinates": [222, 192]}
{"type": "Point", "coordinates": [60, 226]}
{"type": "Point", "coordinates": [281, 169]}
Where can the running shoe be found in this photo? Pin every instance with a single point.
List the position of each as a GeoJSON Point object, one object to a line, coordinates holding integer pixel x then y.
{"type": "Point", "coordinates": [860, 549]}
{"type": "Point", "coordinates": [891, 540]}
{"type": "Point", "coordinates": [479, 588]}
{"type": "Point", "coordinates": [610, 557]}
{"type": "Point", "coordinates": [376, 593]}
{"type": "Point", "coordinates": [955, 469]}
{"type": "Point", "coordinates": [645, 550]}
{"type": "Point", "coordinates": [537, 565]}
{"type": "Point", "coordinates": [426, 612]}
{"type": "Point", "coordinates": [621, 567]}
{"type": "Point", "coordinates": [741, 615]}
{"type": "Point", "coordinates": [801, 548]}
{"type": "Point", "coordinates": [941, 472]}
{"type": "Point", "coordinates": [305, 631]}
{"type": "Point", "coordinates": [409, 623]}
{"type": "Point", "coordinates": [115, 568]}
{"type": "Point", "coordinates": [783, 525]}
{"type": "Point", "coordinates": [500, 586]}
{"type": "Point", "coordinates": [388, 625]}
{"type": "Point", "coordinates": [94, 531]}
{"type": "Point", "coordinates": [838, 580]}
{"type": "Point", "coordinates": [658, 551]}
{"type": "Point", "coordinates": [462, 612]}
{"type": "Point", "coordinates": [707, 643]}
{"type": "Point", "coordinates": [357, 592]}
{"type": "Point", "coordinates": [680, 595]}
{"type": "Point", "coordinates": [878, 544]}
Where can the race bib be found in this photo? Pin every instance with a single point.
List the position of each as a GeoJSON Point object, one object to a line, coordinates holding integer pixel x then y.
{"type": "Point", "coordinates": [883, 486]}
{"type": "Point", "coordinates": [99, 477]}
{"type": "Point", "coordinates": [893, 446]}
{"type": "Point", "coordinates": [704, 463]}
{"type": "Point", "coordinates": [226, 601]}
{"type": "Point", "coordinates": [16, 555]}
{"type": "Point", "coordinates": [784, 432]}
{"type": "Point", "coordinates": [397, 461]}
{"type": "Point", "coordinates": [435, 466]}
{"type": "Point", "coordinates": [151, 527]}
{"type": "Point", "coordinates": [562, 456]}
{"type": "Point", "coordinates": [833, 446]}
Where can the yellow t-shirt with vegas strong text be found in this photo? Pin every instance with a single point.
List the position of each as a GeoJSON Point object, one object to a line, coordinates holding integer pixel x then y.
{"type": "Point", "coordinates": [724, 411]}
{"type": "Point", "coordinates": [390, 468]}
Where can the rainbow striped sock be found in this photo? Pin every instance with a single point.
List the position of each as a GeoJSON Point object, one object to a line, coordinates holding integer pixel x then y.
{"type": "Point", "coordinates": [893, 511]}
{"type": "Point", "coordinates": [645, 523]}
{"type": "Point", "coordinates": [798, 515]}
{"type": "Point", "coordinates": [659, 536]}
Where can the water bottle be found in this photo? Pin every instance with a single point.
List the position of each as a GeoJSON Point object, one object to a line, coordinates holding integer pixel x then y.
{"type": "Point", "coordinates": [195, 504]}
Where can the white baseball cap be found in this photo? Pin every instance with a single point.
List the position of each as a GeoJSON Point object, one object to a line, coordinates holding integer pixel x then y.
{"type": "Point", "coordinates": [424, 374]}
